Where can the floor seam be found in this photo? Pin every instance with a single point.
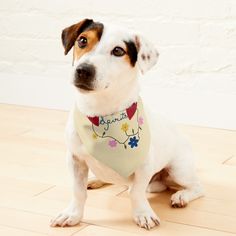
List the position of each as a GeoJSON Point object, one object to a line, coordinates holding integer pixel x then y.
{"type": "Point", "coordinates": [201, 227]}
{"type": "Point", "coordinates": [45, 190]}
{"type": "Point", "coordinates": [118, 194]}
{"type": "Point", "coordinates": [112, 228]}
{"type": "Point", "coordinates": [22, 229]}
{"type": "Point", "coordinates": [25, 211]}
{"type": "Point", "coordinates": [85, 226]}
{"type": "Point", "coordinates": [227, 159]}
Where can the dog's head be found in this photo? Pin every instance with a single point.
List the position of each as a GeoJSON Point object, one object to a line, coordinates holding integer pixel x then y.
{"type": "Point", "coordinates": [105, 57]}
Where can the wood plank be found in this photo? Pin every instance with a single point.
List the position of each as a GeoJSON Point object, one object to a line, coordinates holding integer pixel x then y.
{"type": "Point", "coordinates": [11, 130]}
{"type": "Point", "coordinates": [211, 145]}
{"type": "Point", "coordinates": [13, 186]}
{"type": "Point", "coordinates": [31, 116]}
{"type": "Point", "coordinates": [9, 231]}
{"type": "Point", "coordinates": [166, 228]}
{"type": "Point", "coordinates": [207, 212]}
{"type": "Point", "coordinates": [121, 220]}
{"type": "Point", "coordinates": [46, 174]}
{"type": "Point", "coordinates": [219, 175]}
{"type": "Point", "coordinates": [35, 204]}
{"type": "Point", "coordinates": [33, 222]}
{"type": "Point", "coordinates": [64, 193]}
{"type": "Point", "coordinates": [104, 231]}
{"type": "Point", "coordinates": [30, 158]}
{"type": "Point", "coordinates": [231, 161]}
{"type": "Point", "coordinates": [204, 208]}
{"type": "Point", "coordinates": [31, 142]}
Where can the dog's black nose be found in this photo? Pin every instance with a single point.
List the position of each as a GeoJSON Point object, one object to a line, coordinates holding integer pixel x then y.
{"type": "Point", "coordinates": [85, 73]}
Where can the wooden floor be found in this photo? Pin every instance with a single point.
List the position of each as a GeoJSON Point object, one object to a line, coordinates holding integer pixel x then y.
{"type": "Point", "coordinates": [35, 184]}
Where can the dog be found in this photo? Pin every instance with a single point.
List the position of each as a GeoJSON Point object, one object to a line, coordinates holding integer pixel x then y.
{"type": "Point", "coordinates": [106, 63]}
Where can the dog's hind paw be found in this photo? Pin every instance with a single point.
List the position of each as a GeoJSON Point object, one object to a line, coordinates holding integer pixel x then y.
{"type": "Point", "coordinates": [179, 199]}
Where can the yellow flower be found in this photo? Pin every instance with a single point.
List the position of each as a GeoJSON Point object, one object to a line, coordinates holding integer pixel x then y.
{"type": "Point", "coordinates": [125, 127]}
{"type": "Point", "coordinates": [95, 136]}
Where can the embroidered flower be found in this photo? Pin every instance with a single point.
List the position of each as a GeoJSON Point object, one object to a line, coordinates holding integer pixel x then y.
{"type": "Point", "coordinates": [112, 143]}
{"type": "Point", "coordinates": [125, 127]}
{"type": "Point", "coordinates": [133, 142]}
{"type": "Point", "coordinates": [94, 136]}
{"type": "Point", "coordinates": [140, 120]}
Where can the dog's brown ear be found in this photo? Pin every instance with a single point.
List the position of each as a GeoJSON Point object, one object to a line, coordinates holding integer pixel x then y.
{"type": "Point", "coordinates": [70, 34]}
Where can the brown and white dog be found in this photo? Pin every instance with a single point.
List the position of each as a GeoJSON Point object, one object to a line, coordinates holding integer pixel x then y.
{"type": "Point", "coordinates": [107, 61]}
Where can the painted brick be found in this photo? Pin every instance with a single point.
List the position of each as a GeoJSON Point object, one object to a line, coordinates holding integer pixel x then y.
{"type": "Point", "coordinates": [36, 26]}
{"type": "Point", "coordinates": [182, 8]}
{"type": "Point", "coordinates": [32, 50]}
{"type": "Point", "coordinates": [170, 33]}
{"type": "Point", "coordinates": [196, 39]}
{"type": "Point", "coordinates": [179, 59]}
{"type": "Point", "coordinates": [221, 34]}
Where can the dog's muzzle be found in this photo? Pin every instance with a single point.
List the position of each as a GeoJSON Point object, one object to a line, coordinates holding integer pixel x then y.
{"type": "Point", "coordinates": [84, 76]}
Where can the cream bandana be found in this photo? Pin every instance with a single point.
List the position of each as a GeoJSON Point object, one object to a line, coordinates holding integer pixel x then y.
{"type": "Point", "coordinates": [121, 140]}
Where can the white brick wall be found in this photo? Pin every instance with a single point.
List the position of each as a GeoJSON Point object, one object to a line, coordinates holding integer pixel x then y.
{"type": "Point", "coordinates": [196, 40]}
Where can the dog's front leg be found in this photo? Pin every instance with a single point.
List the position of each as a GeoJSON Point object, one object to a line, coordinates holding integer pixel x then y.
{"type": "Point", "coordinates": [143, 214]}
{"type": "Point", "coordinates": [74, 212]}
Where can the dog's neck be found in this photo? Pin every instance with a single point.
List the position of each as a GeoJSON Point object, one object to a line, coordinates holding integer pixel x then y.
{"type": "Point", "coordinates": [108, 101]}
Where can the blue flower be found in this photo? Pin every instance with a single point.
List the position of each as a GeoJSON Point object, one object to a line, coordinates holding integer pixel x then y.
{"type": "Point", "coordinates": [133, 142]}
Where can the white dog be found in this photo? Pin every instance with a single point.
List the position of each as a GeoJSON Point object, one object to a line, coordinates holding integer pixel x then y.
{"type": "Point", "coordinates": [142, 152]}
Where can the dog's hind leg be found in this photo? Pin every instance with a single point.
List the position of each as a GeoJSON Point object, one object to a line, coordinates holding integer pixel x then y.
{"type": "Point", "coordinates": [157, 183]}
{"type": "Point", "coordinates": [183, 173]}
{"type": "Point", "coordinates": [156, 187]}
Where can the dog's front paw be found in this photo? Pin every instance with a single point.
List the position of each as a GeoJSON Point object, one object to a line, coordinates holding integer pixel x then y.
{"type": "Point", "coordinates": [68, 217]}
{"type": "Point", "coordinates": [146, 219]}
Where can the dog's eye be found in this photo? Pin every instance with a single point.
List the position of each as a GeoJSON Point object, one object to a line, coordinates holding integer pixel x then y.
{"type": "Point", "coordinates": [118, 52]}
{"type": "Point", "coordinates": [82, 42]}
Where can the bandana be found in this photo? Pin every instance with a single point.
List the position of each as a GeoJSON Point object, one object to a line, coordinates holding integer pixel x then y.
{"type": "Point", "coordinates": [121, 140]}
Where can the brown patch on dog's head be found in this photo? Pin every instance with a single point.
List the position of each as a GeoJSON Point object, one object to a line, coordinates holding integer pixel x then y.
{"type": "Point", "coordinates": [93, 36]}
{"type": "Point", "coordinates": [131, 52]}
{"type": "Point", "coordinates": [91, 30]}
{"type": "Point", "coordinates": [70, 34]}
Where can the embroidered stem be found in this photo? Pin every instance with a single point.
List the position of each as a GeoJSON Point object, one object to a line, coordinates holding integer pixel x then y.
{"type": "Point", "coordinates": [108, 136]}
{"type": "Point", "coordinates": [128, 135]}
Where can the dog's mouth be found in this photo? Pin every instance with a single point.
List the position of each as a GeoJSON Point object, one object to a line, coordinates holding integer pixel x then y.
{"type": "Point", "coordinates": [83, 87]}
